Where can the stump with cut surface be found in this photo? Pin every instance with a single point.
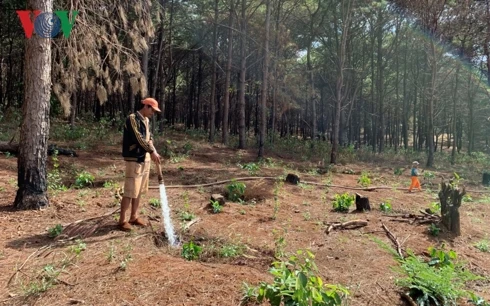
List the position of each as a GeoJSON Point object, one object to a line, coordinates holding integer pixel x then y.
{"type": "Point", "coordinates": [362, 203]}
{"type": "Point", "coordinates": [218, 198]}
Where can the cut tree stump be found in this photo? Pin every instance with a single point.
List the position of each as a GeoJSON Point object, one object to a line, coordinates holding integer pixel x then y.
{"type": "Point", "coordinates": [13, 148]}
{"type": "Point", "coordinates": [486, 179]}
{"type": "Point", "coordinates": [362, 203]}
{"type": "Point", "coordinates": [451, 197]}
{"type": "Point", "coordinates": [293, 179]}
{"type": "Point", "coordinates": [218, 198]}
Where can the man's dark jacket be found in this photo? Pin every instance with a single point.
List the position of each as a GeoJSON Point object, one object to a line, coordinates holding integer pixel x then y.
{"type": "Point", "coordinates": [135, 146]}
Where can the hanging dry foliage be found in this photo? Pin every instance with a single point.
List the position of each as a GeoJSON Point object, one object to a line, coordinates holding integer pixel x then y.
{"type": "Point", "coordinates": [103, 48]}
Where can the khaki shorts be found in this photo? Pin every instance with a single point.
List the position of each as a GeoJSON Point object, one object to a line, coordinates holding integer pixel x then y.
{"type": "Point", "coordinates": [136, 178]}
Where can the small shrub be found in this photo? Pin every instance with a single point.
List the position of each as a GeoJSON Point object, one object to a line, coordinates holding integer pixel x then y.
{"type": "Point", "coordinates": [235, 191]}
{"type": "Point", "coordinates": [216, 207]}
{"type": "Point", "coordinates": [55, 231]}
{"type": "Point", "coordinates": [364, 180]}
{"type": "Point", "coordinates": [155, 202]}
{"type": "Point", "coordinates": [398, 171]}
{"type": "Point", "coordinates": [230, 250]}
{"type": "Point", "coordinates": [439, 281]}
{"type": "Point", "coordinates": [186, 216]}
{"type": "Point", "coordinates": [296, 282]}
{"type": "Point", "coordinates": [435, 207]}
{"type": "Point", "coordinates": [252, 168]}
{"type": "Point", "coordinates": [341, 203]}
{"type": "Point", "coordinates": [191, 251]}
{"type": "Point", "coordinates": [434, 230]}
{"type": "Point", "coordinates": [84, 179]}
{"type": "Point", "coordinates": [483, 246]}
{"type": "Point", "coordinates": [385, 206]}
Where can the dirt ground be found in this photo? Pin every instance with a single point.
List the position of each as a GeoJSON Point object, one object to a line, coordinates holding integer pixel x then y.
{"type": "Point", "coordinates": [139, 268]}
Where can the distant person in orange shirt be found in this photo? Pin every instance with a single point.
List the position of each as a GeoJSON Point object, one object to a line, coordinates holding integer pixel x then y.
{"type": "Point", "coordinates": [415, 177]}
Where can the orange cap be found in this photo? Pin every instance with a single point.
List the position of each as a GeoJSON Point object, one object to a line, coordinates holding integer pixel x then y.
{"type": "Point", "coordinates": [152, 102]}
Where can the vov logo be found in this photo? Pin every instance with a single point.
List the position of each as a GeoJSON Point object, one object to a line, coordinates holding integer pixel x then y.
{"type": "Point", "coordinates": [47, 24]}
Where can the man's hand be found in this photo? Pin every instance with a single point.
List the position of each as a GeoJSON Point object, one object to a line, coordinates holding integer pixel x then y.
{"type": "Point", "coordinates": [155, 157]}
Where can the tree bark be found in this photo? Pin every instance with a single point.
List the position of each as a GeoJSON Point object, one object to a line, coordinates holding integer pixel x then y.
{"type": "Point", "coordinates": [212, 100]}
{"type": "Point", "coordinates": [32, 170]}
{"type": "Point", "coordinates": [243, 70]}
{"type": "Point", "coordinates": [263, 102]}
{"type": "Point", "coordinates": [226, 102]}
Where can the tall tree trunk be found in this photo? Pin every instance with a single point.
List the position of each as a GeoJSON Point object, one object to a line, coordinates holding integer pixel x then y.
{"type": "Point", "coordinates": [197, 124]}
{"type": "Point", "coordinates": [275, 69]}
{"type": "Point", "coordinates": [380, 64]}
{"type": "Point", "coordinates": [243, 71]}
{"type": "Point", "coordinates": [34, 133]}
{"type": "Point", "coordinates": [263, 102]}
{"type": "Point", "coordinates": [226, 102]}
{"type": "Point", "coordinates": [212, 100]}
{"type": "Point", "coordinates": [406, 109]}
{"type": "Point", "coordinates": [430, 128]}
{"type": "Point", "coordinates": [471, 124]}
{"type": "Point", "coordinates": [340, 79]}
{"type": "Point", "coordinates": [455, 95]}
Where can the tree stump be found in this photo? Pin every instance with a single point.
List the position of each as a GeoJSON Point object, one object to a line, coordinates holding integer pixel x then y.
{"type": "Point", "coordinates": [486, 179]}
{"type": "Point", "coordinates": [362, 203]}
{"type": "Point", "coordinates": [218, 198]}
{"type": "Point", "coordinates": [451, 198]}
{"type": "Point", "coordinates": [293, 179]}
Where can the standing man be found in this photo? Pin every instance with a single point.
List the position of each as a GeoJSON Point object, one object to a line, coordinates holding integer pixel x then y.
{"type": "Point", "coordinates": [137, 151]}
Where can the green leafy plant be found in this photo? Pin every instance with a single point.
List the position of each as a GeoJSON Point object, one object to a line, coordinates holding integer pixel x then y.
{"type": "Point", "coordinates": [296, 282]}
{"type": "Point", "coordinates": [429, 176]}
{"type": "Point", "coordinates": [252, 168]}
{"type": "Point", "coordinates": [439, 281]}
{"type": "Point", "coordinates": [342, 202]}
{"type": "Point", "coordinates": [230, 250]}
{"type": "Point", "coordinates": [483, 246]}
{"type": "Point", "coordinates": [191, 251]}
{"type": "Point", "coordinates": [477, 300]}
{"type": "Point", "coordinates": [79, 247]}
{"type": "Point", "coordinates": [385, 206]}
{"type": "Point", "coordinates": [186, 216]}
{"type": "Point", "coordinates": [155, 202]}
{"type": "Point", "coordinates": [55, 182]}
{"type": "Point", "coordinates": [111, 184]}
{"type": "Point", "coordinates": [434, 229]}
{"type": "Point", "coordinates": [235, 191]}
{"type": "Point", "coordinates": [217, 208]}
{"type": "Point", "coordinates": [55, 231]}
{"type": "Point", "coordinates": [84, 179]}
{"type": "Point", "coordinates": [435, 207]}
{"type": "Point", "coordinates": [277, 203]}
{"type": "Point", "coordinates": [398, 171]}
{"type": "Point", "coordinates": [467, 198]}
{"type": "Point", "coordinates": [364, 179]}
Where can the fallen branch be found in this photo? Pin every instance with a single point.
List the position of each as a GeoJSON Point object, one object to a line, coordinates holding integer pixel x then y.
{"type": "Point", "coordinates": [346, 225]}
{"type": "Point", "coordinates": [393, 239]}
{"type": "Point", "coordinates": [189, 224]}
{"type": "Point", "coordinates": [219, 182]}
{"type": "Point", "coordinates": [23, 264]}
{"type": "Point", "coordinates": [75, 229]}
{"type": "Point", "coordinates": [412, 218]}
{"type": "Point", "coordinates": [13, 148]}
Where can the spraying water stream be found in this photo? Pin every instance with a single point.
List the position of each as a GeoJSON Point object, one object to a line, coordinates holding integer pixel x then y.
{"type": "Point", "coordinates": [167, 222]}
